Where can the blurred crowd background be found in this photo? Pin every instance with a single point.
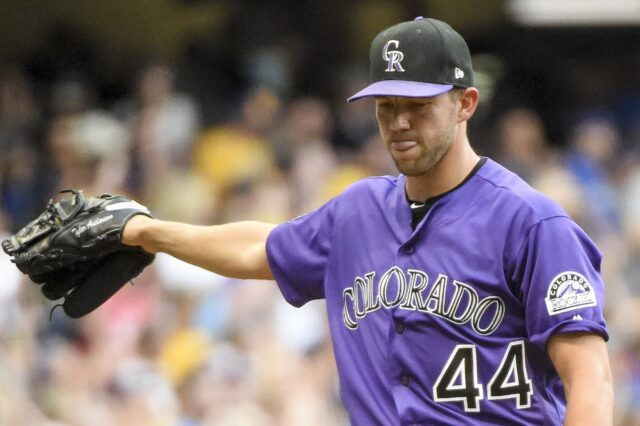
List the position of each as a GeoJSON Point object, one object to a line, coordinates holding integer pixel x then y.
{"type": "Point", "coordinates": [217, 111]}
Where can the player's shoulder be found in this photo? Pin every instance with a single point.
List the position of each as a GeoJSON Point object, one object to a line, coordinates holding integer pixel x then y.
{"type": "Point", "coordinates": [368, 192]}
{"type": "Point", "coordinates": [377, 185]}
{"type": "Point", "coordinates": [509, 189]}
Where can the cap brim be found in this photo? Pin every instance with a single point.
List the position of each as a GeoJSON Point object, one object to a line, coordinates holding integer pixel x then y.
{"type": "Point", "coordinates": [411, 89]}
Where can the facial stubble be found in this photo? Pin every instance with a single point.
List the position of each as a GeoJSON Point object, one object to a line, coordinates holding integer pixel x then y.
{"type": "Point", "coordinates": [431, 153]}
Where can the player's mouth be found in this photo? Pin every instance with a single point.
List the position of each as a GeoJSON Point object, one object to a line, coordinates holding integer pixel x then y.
{"type": "Point", "coordinates": [403, 145]}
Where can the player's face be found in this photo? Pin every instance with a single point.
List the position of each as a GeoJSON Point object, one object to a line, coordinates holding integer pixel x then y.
{"type": "Point", "coordinates": [417, 131]}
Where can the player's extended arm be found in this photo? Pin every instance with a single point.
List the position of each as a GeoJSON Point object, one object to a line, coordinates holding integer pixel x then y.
{"type": "Point", "coordinates": [235, 250]}
{"type": "Point", "coordinates": [582, 362]}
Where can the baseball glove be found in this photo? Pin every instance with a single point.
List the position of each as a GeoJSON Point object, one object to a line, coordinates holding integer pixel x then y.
{"type": "Point", "coordinates": [73, 250]}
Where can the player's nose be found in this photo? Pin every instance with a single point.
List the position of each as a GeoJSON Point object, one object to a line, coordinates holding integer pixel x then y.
{"type": "Point", "coordinates": [400, 121]}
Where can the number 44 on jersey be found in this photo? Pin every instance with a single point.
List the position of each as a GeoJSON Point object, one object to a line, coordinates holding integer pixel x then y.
{"type": "Point", "coordinates": [458, 380]}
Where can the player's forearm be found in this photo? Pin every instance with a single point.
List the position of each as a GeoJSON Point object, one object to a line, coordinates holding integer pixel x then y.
{"type": "Point", "coordinates": [234, 250]}
{"type": "Point", "coordinates": [590, 402]}
{"type": "Point", "coordinates": [582, 361]}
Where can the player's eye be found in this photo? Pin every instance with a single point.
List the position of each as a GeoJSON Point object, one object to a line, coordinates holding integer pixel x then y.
{"type": "Point", "coordinates": [384, 105]}
{"type": "Point", "coordinates": [419, 104]}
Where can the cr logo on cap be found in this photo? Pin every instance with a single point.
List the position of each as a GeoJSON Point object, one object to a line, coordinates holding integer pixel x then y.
{"type": "Point", "coordinates": [393, 57]}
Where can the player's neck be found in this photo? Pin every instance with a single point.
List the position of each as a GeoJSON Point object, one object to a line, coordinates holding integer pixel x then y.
{"type": "Point", "coordinates": [450, 171]}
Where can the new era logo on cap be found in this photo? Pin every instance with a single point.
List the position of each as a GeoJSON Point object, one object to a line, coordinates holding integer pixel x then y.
{"type": "Point", "coordinates": [459, 73]}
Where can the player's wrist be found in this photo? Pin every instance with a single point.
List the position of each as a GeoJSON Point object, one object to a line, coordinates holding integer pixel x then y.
{"type": "Point", "coordinates": [137, 232]}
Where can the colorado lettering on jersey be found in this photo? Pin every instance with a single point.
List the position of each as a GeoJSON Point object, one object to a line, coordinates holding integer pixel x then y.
{"type": "Point", "coordinates": [410, 290]}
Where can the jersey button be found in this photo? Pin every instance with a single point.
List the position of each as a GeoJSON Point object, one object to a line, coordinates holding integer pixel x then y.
{"type": "Point", "coordinates": [405, 380]}
{"type": "Point", "coordinates": [409, 249]}
{"type": "Point", "coordinates": [399, 327]}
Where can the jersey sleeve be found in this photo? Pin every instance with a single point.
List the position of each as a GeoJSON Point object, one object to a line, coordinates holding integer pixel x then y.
{"type": "Point", "coordinates": [298, 251]}
{"type": "Point", "coordinates": [558, 271]}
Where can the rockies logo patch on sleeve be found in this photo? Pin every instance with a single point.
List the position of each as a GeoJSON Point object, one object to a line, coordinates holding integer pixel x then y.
{"type": "Point", "coordinates": [569, 291]}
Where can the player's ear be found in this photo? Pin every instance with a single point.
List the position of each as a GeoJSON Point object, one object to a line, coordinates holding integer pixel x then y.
{"type": "Point", "coordinates": [468, 102]}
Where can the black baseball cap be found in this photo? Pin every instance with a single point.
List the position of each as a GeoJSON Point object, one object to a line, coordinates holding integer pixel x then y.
{"type": "Point", "coordinates": [420, 58]}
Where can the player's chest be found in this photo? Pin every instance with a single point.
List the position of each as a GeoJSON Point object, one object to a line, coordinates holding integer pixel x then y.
{"type": "Point", "coordinates": [440, 273]}
{"type": "Point", "coordinates": [381, 253]}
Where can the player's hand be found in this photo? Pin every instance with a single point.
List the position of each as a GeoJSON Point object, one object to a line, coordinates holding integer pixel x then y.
{"type": "Point", "coordinates": [134, 233]}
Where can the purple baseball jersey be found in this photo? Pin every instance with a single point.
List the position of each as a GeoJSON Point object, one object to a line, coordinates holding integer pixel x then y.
{"type": "Point", "coordinates": [448, 323]}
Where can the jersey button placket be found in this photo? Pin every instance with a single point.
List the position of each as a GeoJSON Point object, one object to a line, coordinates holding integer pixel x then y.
{"type": "Point", "coordinates": [409, 249]}
{"type": "Point", "coordinates": [399, 327]}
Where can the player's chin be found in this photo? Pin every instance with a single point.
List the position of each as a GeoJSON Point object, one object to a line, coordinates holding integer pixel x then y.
{"type": "Point", "coordinates": [415, 166]}
{"type": "Point", "coordinates": [410, 168]}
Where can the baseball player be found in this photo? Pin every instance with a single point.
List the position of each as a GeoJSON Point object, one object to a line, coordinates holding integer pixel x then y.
{"type": "Point", "coordinates": [456, 294]}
